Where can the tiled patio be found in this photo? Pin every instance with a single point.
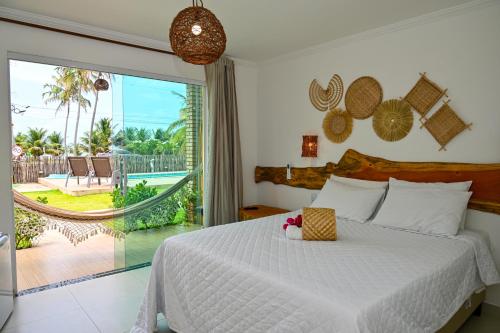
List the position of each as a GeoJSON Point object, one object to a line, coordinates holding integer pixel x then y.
{"type": "Point", "coordinates": [76, 189]}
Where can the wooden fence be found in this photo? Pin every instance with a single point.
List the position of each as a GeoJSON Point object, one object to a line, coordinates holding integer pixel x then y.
{"type": "Point", "coordinates": [30, 169]}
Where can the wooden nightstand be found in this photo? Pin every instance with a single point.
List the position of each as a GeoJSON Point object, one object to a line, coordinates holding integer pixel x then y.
{"type": "Point", "coordinates": [258, 211]}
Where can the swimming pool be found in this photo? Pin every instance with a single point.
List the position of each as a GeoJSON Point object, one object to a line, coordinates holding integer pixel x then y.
{"type": "Point", "coordinates": [135, 175]}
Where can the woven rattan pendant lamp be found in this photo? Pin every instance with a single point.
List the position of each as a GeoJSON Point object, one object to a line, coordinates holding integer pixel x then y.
{"type": "Point", "coordinates": [197, 36]}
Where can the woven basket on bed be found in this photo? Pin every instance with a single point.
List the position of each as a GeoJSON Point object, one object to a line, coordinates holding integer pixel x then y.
{"type": "Point", "coordinates": [319, 224]}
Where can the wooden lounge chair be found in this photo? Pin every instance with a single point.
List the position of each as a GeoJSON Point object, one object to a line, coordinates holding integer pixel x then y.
{"type": "Point", "coordinates": [78, 167]}
{"type": "Point", "coordinates": [102, 168]}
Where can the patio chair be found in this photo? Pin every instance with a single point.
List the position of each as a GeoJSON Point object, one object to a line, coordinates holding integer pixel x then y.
{"type": "Point", "coordinates": [102, 168]}
{"type": "Point", "coordinates": [78, 167]}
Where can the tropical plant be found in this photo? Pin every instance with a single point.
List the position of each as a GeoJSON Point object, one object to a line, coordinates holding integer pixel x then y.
{"type": "Point", "coordinates": [21, 140]}
{"type": "Point", "coordinates": [177, 130]}
{"type": "Point", "coordinates": [101, 137]}
{"type": "Point", "coordinates": [36, 141]}
{"type": "Point", "coordinates": [29, 226]}
{"type": "Point", "coordinates": [55, 143]}
{"type": "Point", "coordinates": [80, 82]}
{"type": "Point", "coordinates": [138, 193]}
{"type": "Point", "coordinates": [61, 91]}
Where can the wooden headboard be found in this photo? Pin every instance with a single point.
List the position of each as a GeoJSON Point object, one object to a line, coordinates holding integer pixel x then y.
{"type": "Point", "coordinates": [485, 177]}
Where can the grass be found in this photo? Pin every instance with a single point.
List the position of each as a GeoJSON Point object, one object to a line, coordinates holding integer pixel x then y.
{"type": "Point", "coordinates": [84, 203]}
{"type": "Point", "coordinates": [80, 204]}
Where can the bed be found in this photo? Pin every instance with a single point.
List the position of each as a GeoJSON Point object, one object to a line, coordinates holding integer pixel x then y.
{"type": "Point", "coordinates": [248, 277]}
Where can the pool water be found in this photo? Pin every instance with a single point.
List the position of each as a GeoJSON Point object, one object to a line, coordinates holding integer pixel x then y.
{"type": "Point", "coordinates": [135, 175]}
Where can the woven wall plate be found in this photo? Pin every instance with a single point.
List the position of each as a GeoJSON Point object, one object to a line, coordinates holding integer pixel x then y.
{"type": "Point", "coordinates": [424, 95]}
{"type": "Point", "coordinates": [337, 125]}
{"type": "Point", "coordinates": [363, 96]}
{"type": "Point", "coordinates": [393, 120]}
{"type": "Point", "coordinates": [323, 99]}
{"type": "Point", "coordinates": [444, 125]}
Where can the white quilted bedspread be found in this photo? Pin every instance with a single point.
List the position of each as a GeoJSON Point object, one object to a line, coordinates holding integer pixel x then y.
{"type": "Point", "coordinates": [247, 277]}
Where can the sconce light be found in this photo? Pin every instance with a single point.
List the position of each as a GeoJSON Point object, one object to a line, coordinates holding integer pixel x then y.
{"type": "Point", "coordinates": [309, 146]}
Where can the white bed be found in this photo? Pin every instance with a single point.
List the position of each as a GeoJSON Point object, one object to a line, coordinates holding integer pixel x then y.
{"type": "Point", "coordinates": [247, 277]}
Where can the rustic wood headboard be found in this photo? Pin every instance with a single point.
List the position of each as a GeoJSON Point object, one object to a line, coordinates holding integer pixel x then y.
{"type": "Point", "coordinates": [485, 177]}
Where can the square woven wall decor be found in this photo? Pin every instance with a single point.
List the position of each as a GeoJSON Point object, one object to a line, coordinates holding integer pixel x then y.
{"type": "Point", "coordinates": [319, 224]}
{"type": "Point", "coordinates": [424, 95]}
{"type": "Point", "coordinates": [445, 124]}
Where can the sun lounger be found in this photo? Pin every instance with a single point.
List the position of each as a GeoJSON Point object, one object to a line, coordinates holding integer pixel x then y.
{"type": "Point", "coordinates": [78, 167]}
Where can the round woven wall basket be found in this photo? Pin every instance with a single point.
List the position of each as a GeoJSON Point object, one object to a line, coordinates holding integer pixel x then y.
{"type": "Point", "coordinates": [337, 125]}
{"type": "Point", "coordinates": [393, 120]}
{"type": "Point", "coordinates": [362, 97]}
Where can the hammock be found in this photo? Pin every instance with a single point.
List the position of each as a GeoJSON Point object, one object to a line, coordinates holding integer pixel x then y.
{"type": "Point", "coordinates": [79, 226]}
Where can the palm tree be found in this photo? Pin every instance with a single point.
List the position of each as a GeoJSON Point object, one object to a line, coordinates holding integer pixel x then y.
{"type": "Point", "coordinates": [143, 134]}
{"type": "Point", "coordinates": [177, 130]}
{"type": "Point", "coordinates": [60, 91]}
{"type": "Point", "coordinates": [80, 81]}
{"type": "Point", "coordinates": [36, 140]}
{"type": "Point", "coordinates": [101, 138]}
{"type": "Point", "coordinates": [55, 142]}
{"type": "Point", "coordinates": [94, 76]}
{"type": "Point", "coordinates": [21, 140]}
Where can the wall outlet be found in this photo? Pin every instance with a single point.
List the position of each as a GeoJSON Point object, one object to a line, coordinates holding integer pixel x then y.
{"type": "Point", "coordinates": [288, 171]}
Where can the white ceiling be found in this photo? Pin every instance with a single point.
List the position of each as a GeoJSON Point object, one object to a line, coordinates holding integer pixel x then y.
{"type": "Point", "coordinates": [256, 29]}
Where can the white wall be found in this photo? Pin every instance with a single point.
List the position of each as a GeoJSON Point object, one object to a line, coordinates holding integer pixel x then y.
{"type": "Point", "coordinates": [24, 40]}
{"type": "Point", "coordinates": [460, 51]}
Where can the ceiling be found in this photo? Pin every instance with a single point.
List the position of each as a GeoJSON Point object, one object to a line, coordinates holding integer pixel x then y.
{"type": "Point", "coordinates": [257, 30]}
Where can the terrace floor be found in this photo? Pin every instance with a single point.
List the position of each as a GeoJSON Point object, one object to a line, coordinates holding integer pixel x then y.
{"type": "Point", "coordinates": [55, 259]}
{"type": "Point", "coordinates": [76, 189]}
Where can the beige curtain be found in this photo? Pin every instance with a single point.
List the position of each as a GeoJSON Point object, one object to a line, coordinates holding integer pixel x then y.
{"type": "Point", "coordinates": [223, 181]}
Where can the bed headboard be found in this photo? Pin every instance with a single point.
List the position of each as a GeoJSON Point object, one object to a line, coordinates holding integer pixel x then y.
{"type": "Point", "coordinates": [485, 177]}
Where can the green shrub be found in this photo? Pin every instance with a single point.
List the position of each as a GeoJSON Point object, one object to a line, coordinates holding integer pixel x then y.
{"type": "Point", "coordinates": [29, 226]}
{"type": "Point", "coordinates": [176, 209]}
{"type": "Point", "coordinates": [138, 193]}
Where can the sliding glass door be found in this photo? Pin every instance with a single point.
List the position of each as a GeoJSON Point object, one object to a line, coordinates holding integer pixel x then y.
{"type": "Point", "coordinates": [157, 150]}
{"type": "Point", "coordinates": [105, 167]}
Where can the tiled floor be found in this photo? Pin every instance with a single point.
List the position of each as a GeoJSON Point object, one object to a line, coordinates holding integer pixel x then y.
{"type": "Point", "coordinates": [110, 304]}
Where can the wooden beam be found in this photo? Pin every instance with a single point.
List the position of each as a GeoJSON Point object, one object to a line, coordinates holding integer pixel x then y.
{"type": "Point", "coordinates": [78, 34]}
{"type": "Point", "coordinates": [485, 177]}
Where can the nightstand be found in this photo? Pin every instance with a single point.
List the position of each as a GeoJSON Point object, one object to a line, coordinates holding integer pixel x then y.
{"type": "Point", "coordinates": [258, 211]}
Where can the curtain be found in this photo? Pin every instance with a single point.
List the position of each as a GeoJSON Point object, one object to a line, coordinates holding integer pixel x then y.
{"type": "Point", "coordinates": [223, 176]}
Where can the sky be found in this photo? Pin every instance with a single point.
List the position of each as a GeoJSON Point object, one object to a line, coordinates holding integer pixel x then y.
{"type": "Point", "coordinates": [130, 102]}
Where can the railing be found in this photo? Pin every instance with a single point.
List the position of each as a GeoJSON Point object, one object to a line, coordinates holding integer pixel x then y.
{"type": "Point", "coordinates": [29, 169]}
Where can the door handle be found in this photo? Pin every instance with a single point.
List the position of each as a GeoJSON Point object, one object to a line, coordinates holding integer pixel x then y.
{"type": "Point", "coordinates": [3, 240]}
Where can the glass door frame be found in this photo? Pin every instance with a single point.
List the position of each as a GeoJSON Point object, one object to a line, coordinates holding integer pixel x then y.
{"type": "Point", "coordinates": [16, 56]}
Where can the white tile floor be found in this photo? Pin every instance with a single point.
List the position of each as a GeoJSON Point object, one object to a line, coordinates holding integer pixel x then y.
{"type": "Point", "coordinates": [109, 304]}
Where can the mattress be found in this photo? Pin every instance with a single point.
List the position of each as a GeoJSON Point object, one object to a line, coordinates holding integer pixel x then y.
{"type": "Point", "coordinates": [247, 277]}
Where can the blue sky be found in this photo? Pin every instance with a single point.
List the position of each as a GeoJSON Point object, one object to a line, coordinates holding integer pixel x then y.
{"type": "Point", "coordinates": [131, 101]}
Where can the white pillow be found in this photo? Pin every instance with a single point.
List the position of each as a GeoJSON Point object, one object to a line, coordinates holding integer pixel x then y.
{"type": "Point", "coordinates": [458, 186]}
{"type": "Point", "coordinates": [359, 182]}
{"type": "Point", "coordinates": [349, 202]}
{"type": "Point", "coordinates": [425, 211]}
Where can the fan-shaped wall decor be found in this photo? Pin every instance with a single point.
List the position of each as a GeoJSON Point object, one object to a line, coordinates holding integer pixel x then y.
{"type": "Point", "coordinates": [337, 125]}
{"type": "Point", "coordinates": [363, 96]}
{"type": "Point", "coordinates": [393, 120]}
{"type": "Point", "coordinates": [324, 99]}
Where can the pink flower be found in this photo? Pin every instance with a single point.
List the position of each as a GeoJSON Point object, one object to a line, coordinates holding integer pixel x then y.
{"type": "Point", "coordinates": [285, 226]}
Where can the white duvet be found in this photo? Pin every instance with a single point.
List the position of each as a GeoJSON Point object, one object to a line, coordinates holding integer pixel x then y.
{"type": "Point", "coordinates": [247, 277]}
